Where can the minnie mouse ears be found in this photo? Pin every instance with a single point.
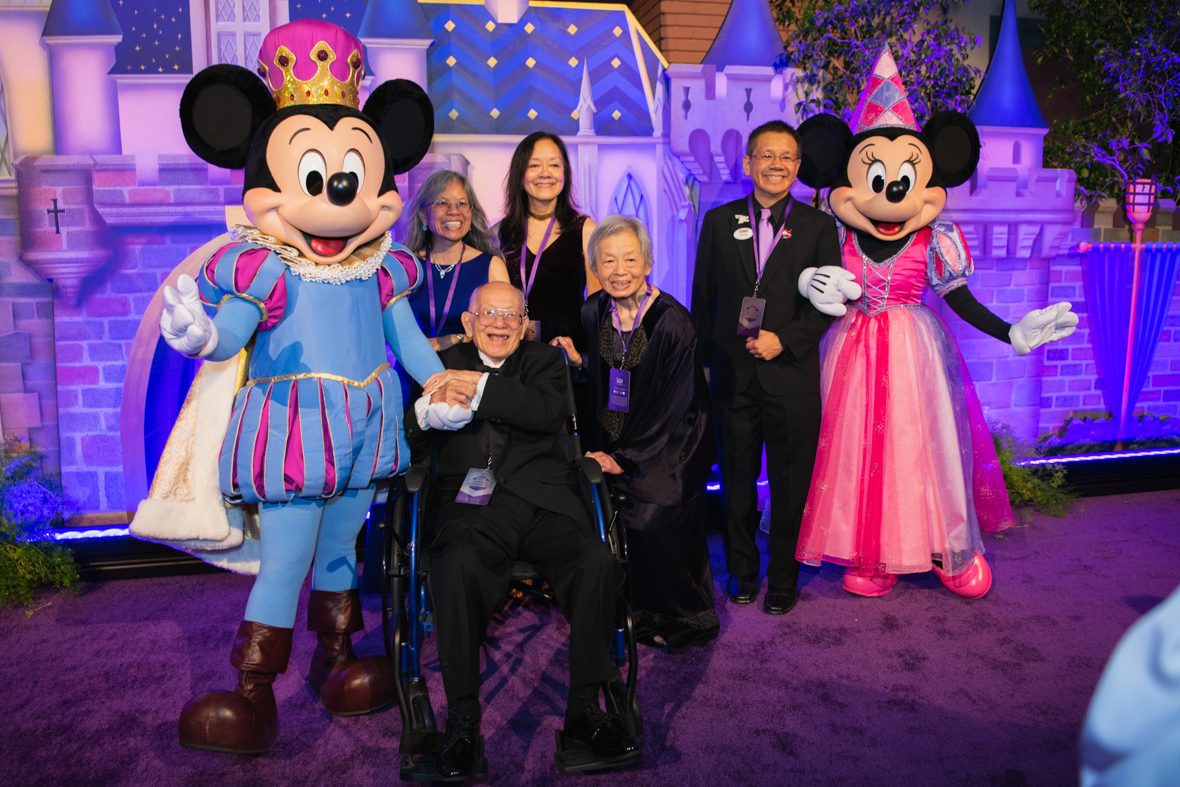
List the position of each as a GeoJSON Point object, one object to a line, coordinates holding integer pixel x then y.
{"type": "Point", "coordinates": [823, 139]}
{"type": "Point", "coordinates": [954, 145]}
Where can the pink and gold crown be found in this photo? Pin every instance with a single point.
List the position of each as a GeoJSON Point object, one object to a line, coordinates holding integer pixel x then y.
{"type": "Point", "coordinates": [313, 62]}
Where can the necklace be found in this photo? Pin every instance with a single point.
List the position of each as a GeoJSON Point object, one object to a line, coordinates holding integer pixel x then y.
{"type": "Point", "coordinates": [542, 216]}
{"type": "Point", "coordinates": [442, 272]}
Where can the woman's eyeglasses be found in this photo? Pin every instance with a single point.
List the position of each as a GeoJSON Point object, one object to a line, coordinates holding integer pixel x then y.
{"type": "Point", "coordinates": [463, 206]}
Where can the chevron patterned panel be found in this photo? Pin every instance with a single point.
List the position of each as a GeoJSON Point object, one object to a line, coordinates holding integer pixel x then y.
{"type": "Point", "coordinates": [487, 78]}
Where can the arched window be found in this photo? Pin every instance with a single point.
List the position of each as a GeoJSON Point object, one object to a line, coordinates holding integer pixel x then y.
{"type": "Point", "coordinates": [629, 200]}
{"type": "Point", "coordinates": [5, 145]}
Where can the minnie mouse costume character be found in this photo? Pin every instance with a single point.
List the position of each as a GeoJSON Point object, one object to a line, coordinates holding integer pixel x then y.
{"type": "Point", "coordinates": [906, 473]}
{"type": "Point", "coordinates": [318, 288]}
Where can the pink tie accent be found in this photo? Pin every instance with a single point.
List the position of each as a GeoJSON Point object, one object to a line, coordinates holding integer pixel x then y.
{"type": "Point", "coordinates": [765, 239]}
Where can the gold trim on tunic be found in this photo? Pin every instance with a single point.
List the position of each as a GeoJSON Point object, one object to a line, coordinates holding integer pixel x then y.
{"type": "Point", "coordinates": [323, 376]}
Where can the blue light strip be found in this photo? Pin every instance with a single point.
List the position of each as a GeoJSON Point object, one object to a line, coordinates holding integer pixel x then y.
{"type": "Point", "coordinates": [119, 532]}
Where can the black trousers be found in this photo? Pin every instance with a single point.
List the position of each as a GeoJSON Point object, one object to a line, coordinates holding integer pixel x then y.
{"type": "Point", "coordinates": [469, 579]}
{"type": "Point", "coordinates": [789, 426]}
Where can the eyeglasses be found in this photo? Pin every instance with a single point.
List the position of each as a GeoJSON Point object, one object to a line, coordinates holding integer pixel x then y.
{"type": "Point", "coordinates": [463, 206]}
{"type": "Point", "coordinates": [490, 316]}
{"type": "Point", "coordinates": [768, 157]}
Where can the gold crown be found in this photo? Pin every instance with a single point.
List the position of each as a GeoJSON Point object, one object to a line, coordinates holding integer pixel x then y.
{"type": "Point", "coordinates": [323, 88]}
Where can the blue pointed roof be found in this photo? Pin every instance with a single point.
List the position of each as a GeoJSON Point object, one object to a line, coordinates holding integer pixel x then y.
{"type": "Point", "coordinates": [1006, 98]}
{"type": "Point", "coordinates": [394, 19]}
{"type": "Point", "coordinates": [81, 18]}
{"type": "Point", "coordinates": [748, 37]}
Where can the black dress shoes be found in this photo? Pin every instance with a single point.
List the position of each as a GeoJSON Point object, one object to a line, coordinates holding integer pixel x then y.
{"type": "Point", "coordinates": [602, 737]}
{"type": "Point", "coordinates": [461, 752]}
{"type": "Point", "coordinates": [742, 590]}
{"type": "Point", "coordinates": [779, 601]}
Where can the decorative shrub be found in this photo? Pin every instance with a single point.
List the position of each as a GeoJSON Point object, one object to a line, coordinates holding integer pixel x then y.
{"type": "Point", "coordinates": [29, 506]}
{"type": "Point", "coordinates": [1088, 435]}
{"type": "Point", "coordinates": [1042, 486]}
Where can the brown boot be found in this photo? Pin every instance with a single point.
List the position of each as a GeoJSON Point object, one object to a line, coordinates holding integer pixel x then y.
{"type": "Point", "coordinates": [242, 721]}
{"type": "Point", "coordinates": [346, 685]}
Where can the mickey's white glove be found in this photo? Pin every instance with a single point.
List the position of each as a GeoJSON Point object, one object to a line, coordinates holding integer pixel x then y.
{"type": "Point", "coordinates": [440, 415]}
{"type": "Point", "coordinates": [185, 326]}
{"type": "Point", "coordinates": [448, 417]}
{"type": "Point", "coordinates": [1042, 325]}
{"type": "Point", "coordinates": [828, 288]}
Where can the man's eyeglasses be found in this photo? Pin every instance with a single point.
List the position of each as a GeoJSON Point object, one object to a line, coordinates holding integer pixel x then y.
{"type": "Point", "coordinates": [489, 316]}
{"type": "Point", "coordinates": [463, 206]}
{"type": "Point", "coordinates": [767, 158]}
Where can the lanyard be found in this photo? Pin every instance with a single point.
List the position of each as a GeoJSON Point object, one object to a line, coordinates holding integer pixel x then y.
{"type": "Point", "coordinates": [435, 327]}
{"type": "Point", "coordinates": [759, 262]}
{"type": "Point", "coordinates": [524, 250]}
{"type": "Point", "coordinates": [614, 315]}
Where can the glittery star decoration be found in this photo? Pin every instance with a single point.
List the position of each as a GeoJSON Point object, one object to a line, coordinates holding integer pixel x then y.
{"type": "Point", "coordinates": [883, 104]}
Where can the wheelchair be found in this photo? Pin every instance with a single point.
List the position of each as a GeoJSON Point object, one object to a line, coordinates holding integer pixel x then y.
{"type": "Point", "coordinates": [407, 618]}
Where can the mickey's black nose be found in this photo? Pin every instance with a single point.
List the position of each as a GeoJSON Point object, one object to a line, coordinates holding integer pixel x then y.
{"type": "Point", "coordinates": [894, 192]}
{"type": "Point", "coordinates": [342, 188]}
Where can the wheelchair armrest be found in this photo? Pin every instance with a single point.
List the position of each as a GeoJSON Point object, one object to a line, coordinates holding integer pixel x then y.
{"type": "Point", "coordinates": [415, 478]}
{"type": "Point", "coordinates": [591, 469]}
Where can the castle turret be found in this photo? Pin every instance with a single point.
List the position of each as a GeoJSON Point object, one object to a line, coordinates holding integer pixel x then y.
{"type": "Point", "coordinates": [396, 36]}
{"type": "Point", "coordinates": [748, 37]}
{"type": "Point", "coordinates": [81, 36]}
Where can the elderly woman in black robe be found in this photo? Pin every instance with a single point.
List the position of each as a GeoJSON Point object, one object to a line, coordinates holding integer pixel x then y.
{"type": "Point", "coordinates": [650, 428]}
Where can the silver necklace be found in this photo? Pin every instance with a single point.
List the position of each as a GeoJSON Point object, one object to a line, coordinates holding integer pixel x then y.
{"type": "Point", "coordinates": [442, 272]}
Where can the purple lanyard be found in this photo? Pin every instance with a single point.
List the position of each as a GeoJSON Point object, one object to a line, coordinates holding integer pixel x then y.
{"type": "Point", "coordinates": [524, 250]}
{"type": "Point", "coordinates": [759, 262]}
{"type": "Point", "coordinates": [614, 315]}
{"type": "Point", "coordinates": [436, 326]}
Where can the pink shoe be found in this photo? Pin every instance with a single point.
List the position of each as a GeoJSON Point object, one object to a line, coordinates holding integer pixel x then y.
{"type": "Point", "coordinates": [974, 582]}
{"type": "Point", "coordinates": [872, 587]}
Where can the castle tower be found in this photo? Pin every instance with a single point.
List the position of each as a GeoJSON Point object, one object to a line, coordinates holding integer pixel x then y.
{"type": "Point", "coordinates": [1010, 122]}
{"type": "Point", "coordinates": [396, 36]}
{"type": "Point", "coordinates": [81, 36]}
{"type": "Point", "coordinates": [748, 37]}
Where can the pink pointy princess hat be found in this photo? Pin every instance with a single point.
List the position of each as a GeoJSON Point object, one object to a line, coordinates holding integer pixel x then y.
{"type": "Point", "coordinates": [883, 104]}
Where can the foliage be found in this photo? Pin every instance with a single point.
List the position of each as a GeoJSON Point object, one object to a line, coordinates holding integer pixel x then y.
{"type": "Point", "coordinates": [1087, 435]}
{"type": "Point", "coordinates": [836, 42]}
{"type": "Point", "coordinates": [1123, 57]}
{"type": "Point", "coordinates": [29, 506]}
{"type": "Point", "coordinates": [1042, 485]}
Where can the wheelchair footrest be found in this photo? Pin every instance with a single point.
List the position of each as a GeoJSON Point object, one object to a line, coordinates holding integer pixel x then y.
{"type": "Point", "coordinates": [421, 765]}
{"type": "Point", "coordinates": [573, 757]}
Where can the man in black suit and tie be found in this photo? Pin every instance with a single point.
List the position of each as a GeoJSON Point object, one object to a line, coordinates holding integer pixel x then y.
{"type": "Point", "coordinates": [760, 342]}
{"type": "Point", "coordinates": [508, 493]}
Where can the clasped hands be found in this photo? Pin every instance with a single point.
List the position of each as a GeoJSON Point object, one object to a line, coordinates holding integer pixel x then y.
{"type": "Point", "coordinates": [449, 395]}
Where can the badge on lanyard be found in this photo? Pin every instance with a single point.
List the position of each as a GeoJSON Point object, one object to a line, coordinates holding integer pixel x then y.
{"type": "Point", "coordinates": [534, 332]}
{"type": "Point", "coordinates": [750, 320]}
{"type": "Point", "coordinates": [620, 390]}
{"type": "Point", "coordinates": [477, 487]}
{"type": "Point", "coordinates": [753, 307]}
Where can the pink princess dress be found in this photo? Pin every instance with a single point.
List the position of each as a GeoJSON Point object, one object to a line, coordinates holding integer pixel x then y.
{"type": "Point", "coordinates": [906, 472]}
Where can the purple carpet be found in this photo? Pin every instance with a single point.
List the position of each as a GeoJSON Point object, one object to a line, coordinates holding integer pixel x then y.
{"type": "Point", "coordinates": [917, 688]}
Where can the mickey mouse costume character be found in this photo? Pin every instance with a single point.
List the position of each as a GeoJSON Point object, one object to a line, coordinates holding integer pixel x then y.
{"type": "Point", "coordinates": [906, 473]}
{"type": "Point", "coordinates": [317, 287]}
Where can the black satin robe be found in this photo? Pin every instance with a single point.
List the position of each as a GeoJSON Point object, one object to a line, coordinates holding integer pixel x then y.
{"type": "Point", "coordinates": [666, 448]}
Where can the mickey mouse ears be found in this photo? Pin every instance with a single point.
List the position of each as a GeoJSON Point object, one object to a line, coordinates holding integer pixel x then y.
{"type": "Point", "coordinates": [883, 104]}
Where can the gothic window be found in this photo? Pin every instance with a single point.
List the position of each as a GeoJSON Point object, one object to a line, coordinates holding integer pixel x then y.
{"type": "Point", "coordinates": [629, 200]}
{"type": "Point", "coordinates": [236, 30]}
{"type": "Point", "coordinates": [5, 146]}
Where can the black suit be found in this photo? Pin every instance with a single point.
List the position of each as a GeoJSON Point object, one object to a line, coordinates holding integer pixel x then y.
{"type": "Point", "coordinates": [756, 401]}
{"type": "Point", "coordinates": [535, 515]}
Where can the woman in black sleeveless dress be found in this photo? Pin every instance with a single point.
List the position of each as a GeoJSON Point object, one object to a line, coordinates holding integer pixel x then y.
{"type": "Point", "coordinates": [542, 220]}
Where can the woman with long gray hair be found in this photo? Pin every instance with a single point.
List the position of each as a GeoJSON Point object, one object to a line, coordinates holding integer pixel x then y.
{"type": "Point", "coordinates": [449, 231]}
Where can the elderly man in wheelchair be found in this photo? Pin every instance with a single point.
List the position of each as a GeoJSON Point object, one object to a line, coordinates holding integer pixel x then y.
{"type": "Point", "coordinates": [507, 490]}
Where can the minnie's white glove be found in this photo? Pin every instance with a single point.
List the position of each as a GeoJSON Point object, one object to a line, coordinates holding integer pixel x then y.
{"type": "Point", "coordinates": [185, 326]}
{"type": "Point", "coordinates": [828, 288]}
{"type": "Point", "coordinates": [1042, 325]}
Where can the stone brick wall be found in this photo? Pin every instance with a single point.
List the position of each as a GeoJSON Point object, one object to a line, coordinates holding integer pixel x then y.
{"type": "Point", "coordinates": [147, 231]}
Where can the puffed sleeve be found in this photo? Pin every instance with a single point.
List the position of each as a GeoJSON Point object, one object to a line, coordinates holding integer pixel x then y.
{"type": "Point", "coordinates": [248, 272]}
{"type": "Point", "coordinates": [948, 261]}
{"type": "Point", "coordinates": [399, 275]}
